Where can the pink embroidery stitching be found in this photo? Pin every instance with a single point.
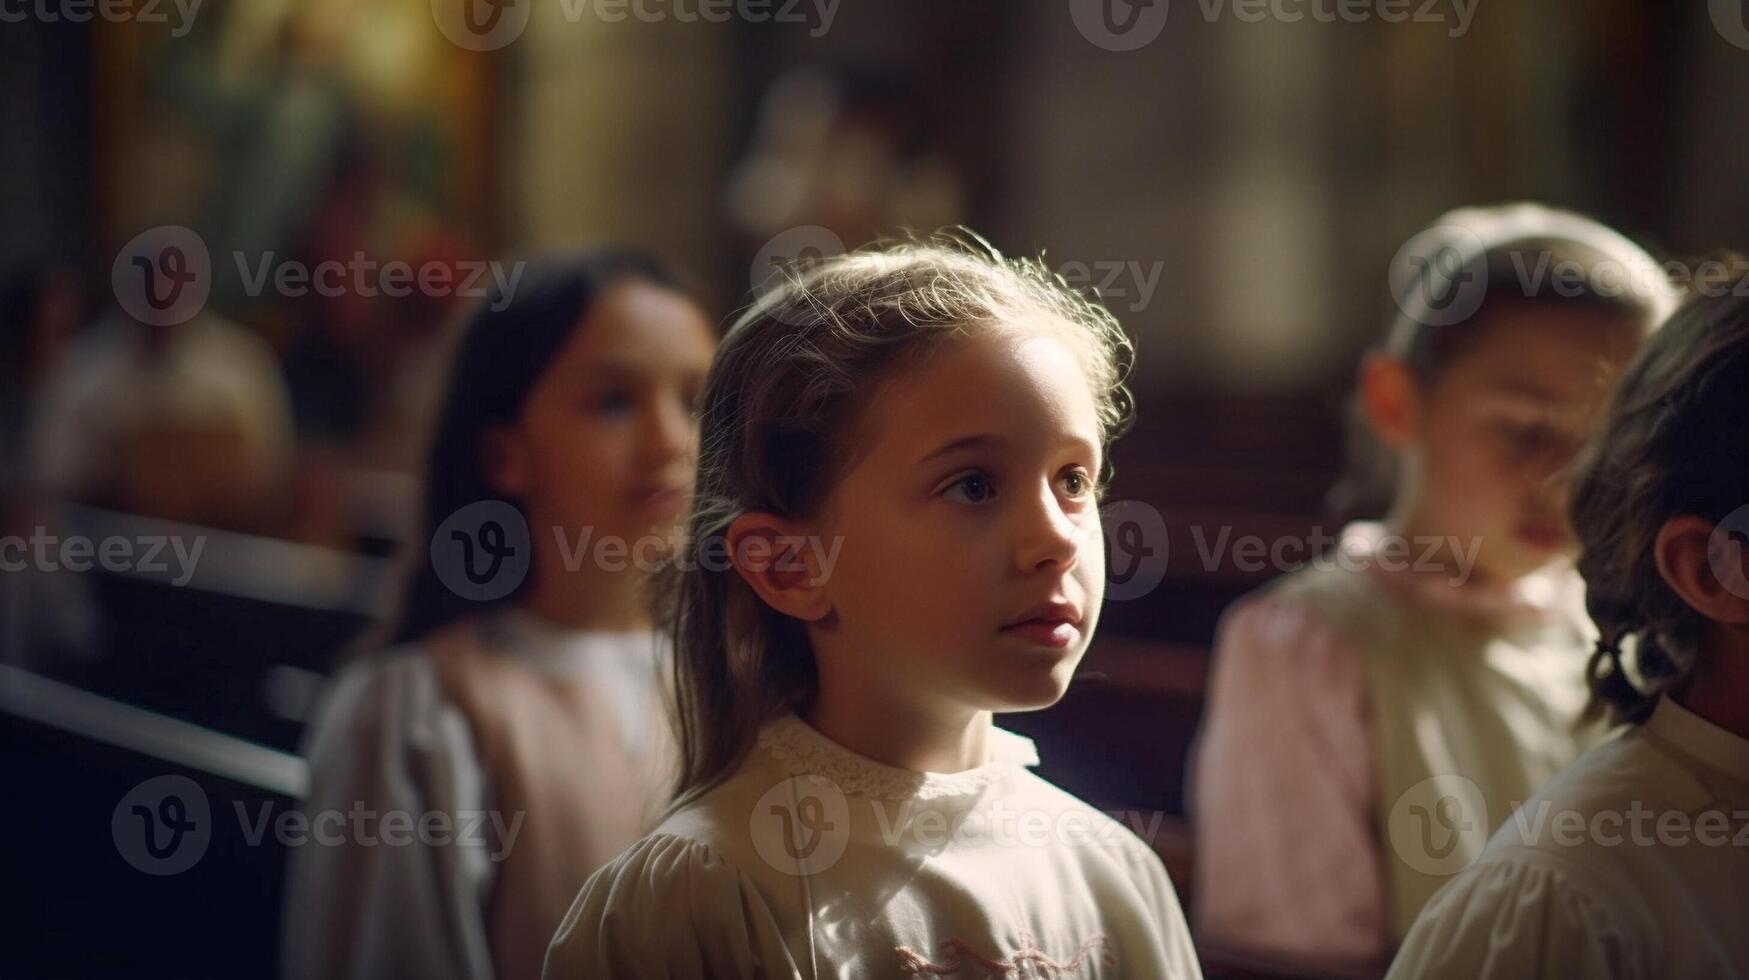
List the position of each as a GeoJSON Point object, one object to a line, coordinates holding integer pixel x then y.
{"type": "Point", "coordinates": [956, 952]}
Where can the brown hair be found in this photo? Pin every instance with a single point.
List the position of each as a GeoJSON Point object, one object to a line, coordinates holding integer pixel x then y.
{"type": "Point", "coordinates": [1675, 443]}
{"type": "Point", "coordinates": [780, 409]}
{"type": "Point", "coordinates": [1474, 261]}
{"type": "Point", "coordinates": [508, 342]}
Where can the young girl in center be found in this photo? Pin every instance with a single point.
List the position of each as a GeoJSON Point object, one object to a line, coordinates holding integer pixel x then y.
{"type": "Point", "coordinates": [896, 535]}
{"type": "Point", "coordinates": [1634, 862]}
{"type": "Point", "coordinates": [1371, 718]}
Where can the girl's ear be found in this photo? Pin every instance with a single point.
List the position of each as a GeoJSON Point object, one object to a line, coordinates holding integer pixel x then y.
{"type": "Point", "coordinates": [504, 460]}
{"type": "Point", "coordinates": [782, 562]}
{"type": "Point", "coordinates": [1707, 566]}
{"type": "Point", "coordinates": [1391, 399]}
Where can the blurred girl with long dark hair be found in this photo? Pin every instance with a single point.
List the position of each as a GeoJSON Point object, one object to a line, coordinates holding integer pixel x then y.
{"type": "Point", "coordinates": [512, 737]}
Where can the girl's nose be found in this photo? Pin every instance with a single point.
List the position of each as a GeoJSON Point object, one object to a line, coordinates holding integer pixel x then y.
{"type": "Point", "coordinates": [1548, 476]}
{"type": "Point", "coordinates": [669, 428]}
{"type": "Point", "coordinates": [1049, 535]}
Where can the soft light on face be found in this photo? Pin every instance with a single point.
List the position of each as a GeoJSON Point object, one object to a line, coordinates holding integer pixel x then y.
{"type": "Point", "coordinates": [1499, 428]}
{"type": "Point", "coordinates": [970, 506]}
{"type": "Point", "coordinates": [607, 436]}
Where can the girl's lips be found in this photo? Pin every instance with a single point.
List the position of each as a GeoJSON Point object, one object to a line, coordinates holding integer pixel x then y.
{"type": "Point", "coordinates": [1056, 634]}
{"type": "Point", "coordinates": [1543, 538]}
{"type": "Point", "coordinates": [661, 503]}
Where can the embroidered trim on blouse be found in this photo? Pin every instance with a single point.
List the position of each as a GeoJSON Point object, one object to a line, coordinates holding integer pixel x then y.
{"type": "Point", "coordinates": [1552, 596]}
{"type": "Point", "coordinates": [801, 749]}
{"type": "Point", "coordinates": [1028, 961]}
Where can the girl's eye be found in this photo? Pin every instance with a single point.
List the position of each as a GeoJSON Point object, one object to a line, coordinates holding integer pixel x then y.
{"type": "Point", "coordinates": [612, 403]}
{"type": "Point", "coordinates": [1527, 437]}
{"type": "Point", "coordinates": [974, 488]}
{"type": "Point", "coordinates": [1078, 483]}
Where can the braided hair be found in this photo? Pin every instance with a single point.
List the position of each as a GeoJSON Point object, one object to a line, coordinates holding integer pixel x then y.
{"type": "Point", "coordinates": [1676, 443]}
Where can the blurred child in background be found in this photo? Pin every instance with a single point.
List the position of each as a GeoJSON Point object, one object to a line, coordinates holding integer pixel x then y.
{"type": "Point", "coordinates": [1634, 862]}
{"type": "Point", "coordinates": [572, 400]}
{"type": "Point", "coordinates": [187, 421]}
{"type": "Point", "coordinates": [1448, 641]}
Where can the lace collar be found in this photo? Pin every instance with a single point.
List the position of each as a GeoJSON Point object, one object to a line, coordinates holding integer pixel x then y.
{"type": "Point", "coordinates": [801, 749]}
{"type": "Point", "coordinates": [1716, 748]}
{"type": "Point", "coordinates": [564, 651]}
{"type": "Point", "coordinates": [1551, 595]}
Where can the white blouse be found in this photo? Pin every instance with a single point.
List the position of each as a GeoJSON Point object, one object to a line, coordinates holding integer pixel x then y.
{"type": "Point", "coordinates": [386, 738]}
{"type": "Point", "coordinates": [1340, 696]}
{"type": "Point", "coordinates": [813, 861]}
{"type": "Point", "coordinates": [1632, 863]}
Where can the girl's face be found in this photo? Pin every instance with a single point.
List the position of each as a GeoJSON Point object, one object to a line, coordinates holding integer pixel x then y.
{"type": "Point", "coordinates": [970, 507]}
{"type": "Point", "coordinates": [607, 436]}
{"type": "Point", "coordinates": [1490, 440]}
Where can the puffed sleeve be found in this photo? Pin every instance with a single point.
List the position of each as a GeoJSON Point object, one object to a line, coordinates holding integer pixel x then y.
{"type": "Point", "coordinates": [1522, 916]}
{"type": "Point", "coordinates": [357, 905]}
{"type": "Point", "coordinates": [1178, 952]}
{"type": "Point", "coordinates": [669, 908]}
{"type": "Point", "coordinates": [1281, 789]}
